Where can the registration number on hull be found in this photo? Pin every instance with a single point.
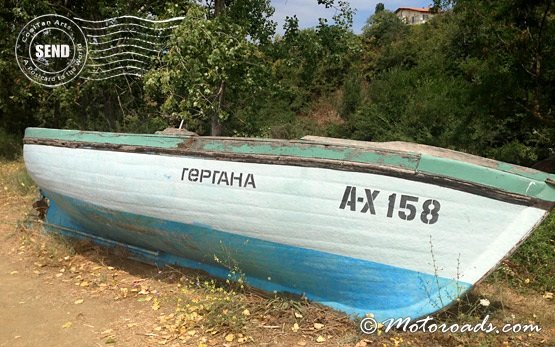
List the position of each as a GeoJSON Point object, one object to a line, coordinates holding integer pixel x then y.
{"type": "Point", "coordinates": [405, 207]}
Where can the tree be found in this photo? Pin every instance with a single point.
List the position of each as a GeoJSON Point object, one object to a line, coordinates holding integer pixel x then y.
{"type": "Point", "coordinates": [117, 104]}
{"type": "Point", "coordinates": [379, 7]}
{"type": "Point", "coordinates": [253, 16]}
{"type": "Point", "coordinates": [384, 27]}
{"type": "Point", "coordinates": [509, 57]}
{"type": "Point", "coordinates": [215, 53]}
{"type": "Point", "coordinates": [479, 78]}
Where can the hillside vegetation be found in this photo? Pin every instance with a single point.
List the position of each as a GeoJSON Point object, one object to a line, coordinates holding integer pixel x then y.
{"type": "Point", "coordinates": [479, 77]}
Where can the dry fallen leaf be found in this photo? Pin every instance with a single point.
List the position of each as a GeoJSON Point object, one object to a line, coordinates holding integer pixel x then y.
{"type": "Point", "coordinates": [298, 315]}
{"type": "Point", "coordinates": [320, 339]}
{"type": "Point", "coordinates": [397, 341]}
{"type": "Point", "coordinates": [77, 302]}
{"type": "Point", "coordinates": [14, 272]}
{"type": "Point", "coordinates": [295, 327]}
{"type": "Point", "coordinates": [548, 295]}
{"type": "Point", "coordinates": [246, 312]}
{"type": "Point", "coordinates": [318, 326]}
{"type": "Point", "coordinates": [229, 337]}
{"type": "Point", "coordinates": [66, 325]}
{"type": "Point", "coordinates": [124, 292]}
{"type": "Point", "coordinates": [156, 305]}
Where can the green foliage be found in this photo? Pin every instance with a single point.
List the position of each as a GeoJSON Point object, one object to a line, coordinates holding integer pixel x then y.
{"type": "Point", "coordinates": [18, 96]}
{"type": "Point", "coordinates": [466, 80]}
{"type": "Point", "coordinates": [313, 63]}
{"type": "Point", "coordinates": [114, 105]}
{"type": "Point", "coordinates": [10, 145]}
{"type": "Point", "coordinates": [211, 63]}
{"type": "Point", "coordinates": [478, 77]}
{"type": "Point", "coordinates": [513, 78]}
{"type": "Point", "coordinates": [383, 28]}
{"type": "Point", "coordinates": [352, 95]}
{"type": "Point", "coordinates": [255, 17]}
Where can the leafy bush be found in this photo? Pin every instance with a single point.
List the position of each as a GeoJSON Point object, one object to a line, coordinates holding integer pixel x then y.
{"type": "Point", "coordinates": [10, 145]}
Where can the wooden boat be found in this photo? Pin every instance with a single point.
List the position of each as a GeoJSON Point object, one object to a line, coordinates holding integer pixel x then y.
{"type": "Point", "coordinates": [393, 229]}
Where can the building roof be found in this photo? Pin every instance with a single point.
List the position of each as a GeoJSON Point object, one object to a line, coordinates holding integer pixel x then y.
{"type": "Point", "coordinates": [416, 9]}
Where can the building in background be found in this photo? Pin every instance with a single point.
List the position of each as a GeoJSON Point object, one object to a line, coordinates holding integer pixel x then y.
{"type": "Point", "coordinates": [414, 15]}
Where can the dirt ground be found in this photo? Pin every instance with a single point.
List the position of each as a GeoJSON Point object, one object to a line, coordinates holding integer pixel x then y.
{"type": "Point", "coordinates": [58, 293]}
{"type": "Point", "coordinates": [38, 307]}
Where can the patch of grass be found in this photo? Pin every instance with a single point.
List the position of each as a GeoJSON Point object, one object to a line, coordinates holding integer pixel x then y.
{"type": "Point", "coordinates": [470, 308]}
{"type": "Point", "coordinates": [208, 307]}
{"type": "Point", "coordinates": [532, 266]}
{"type": "Point", "coordinates": [223, 309]}
{"type": "Point", "coordinates": [14, 178]}
{"type": "Point", "coordinates": [235, 277]}
{"type": "Point", "coordinates": [287, 307]}
{"type": "Point", "coordinates": [51, 248]}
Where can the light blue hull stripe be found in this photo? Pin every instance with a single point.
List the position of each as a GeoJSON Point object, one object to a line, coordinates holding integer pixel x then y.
{"type": "Point", "coordinates": [347, 284]}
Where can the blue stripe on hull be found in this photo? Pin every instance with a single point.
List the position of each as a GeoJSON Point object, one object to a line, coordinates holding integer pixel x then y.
{"type": "Point", "coordinates": [347, 284]}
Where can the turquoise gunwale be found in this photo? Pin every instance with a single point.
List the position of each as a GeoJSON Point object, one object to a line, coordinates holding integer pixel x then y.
{"type": "Point", "coordinates": [505, 177]}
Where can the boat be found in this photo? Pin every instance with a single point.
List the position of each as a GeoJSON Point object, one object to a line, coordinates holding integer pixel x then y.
{"type": "Point", "coordinates": [392, 229]}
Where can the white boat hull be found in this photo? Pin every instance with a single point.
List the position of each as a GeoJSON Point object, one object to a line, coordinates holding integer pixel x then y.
{"type": "Point", "coordinates": [447, 238]}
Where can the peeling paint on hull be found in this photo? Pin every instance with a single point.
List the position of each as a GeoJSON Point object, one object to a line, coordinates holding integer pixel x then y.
{"type": "Point", "coordinates": [347, 284]}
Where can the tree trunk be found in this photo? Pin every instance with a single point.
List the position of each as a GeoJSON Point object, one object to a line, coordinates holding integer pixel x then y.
{"type": "Point", "coordinates": [219, 6]}
{"type": "Point", "coordinates": [216, 129]}
{"type": "Point", "coordinates": [216, 126]}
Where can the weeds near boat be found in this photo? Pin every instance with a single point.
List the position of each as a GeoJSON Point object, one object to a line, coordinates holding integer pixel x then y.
{"type": "Point", "coordinates": [206, 308]}
{"type": "Point", "coordinates": [15, 180]}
